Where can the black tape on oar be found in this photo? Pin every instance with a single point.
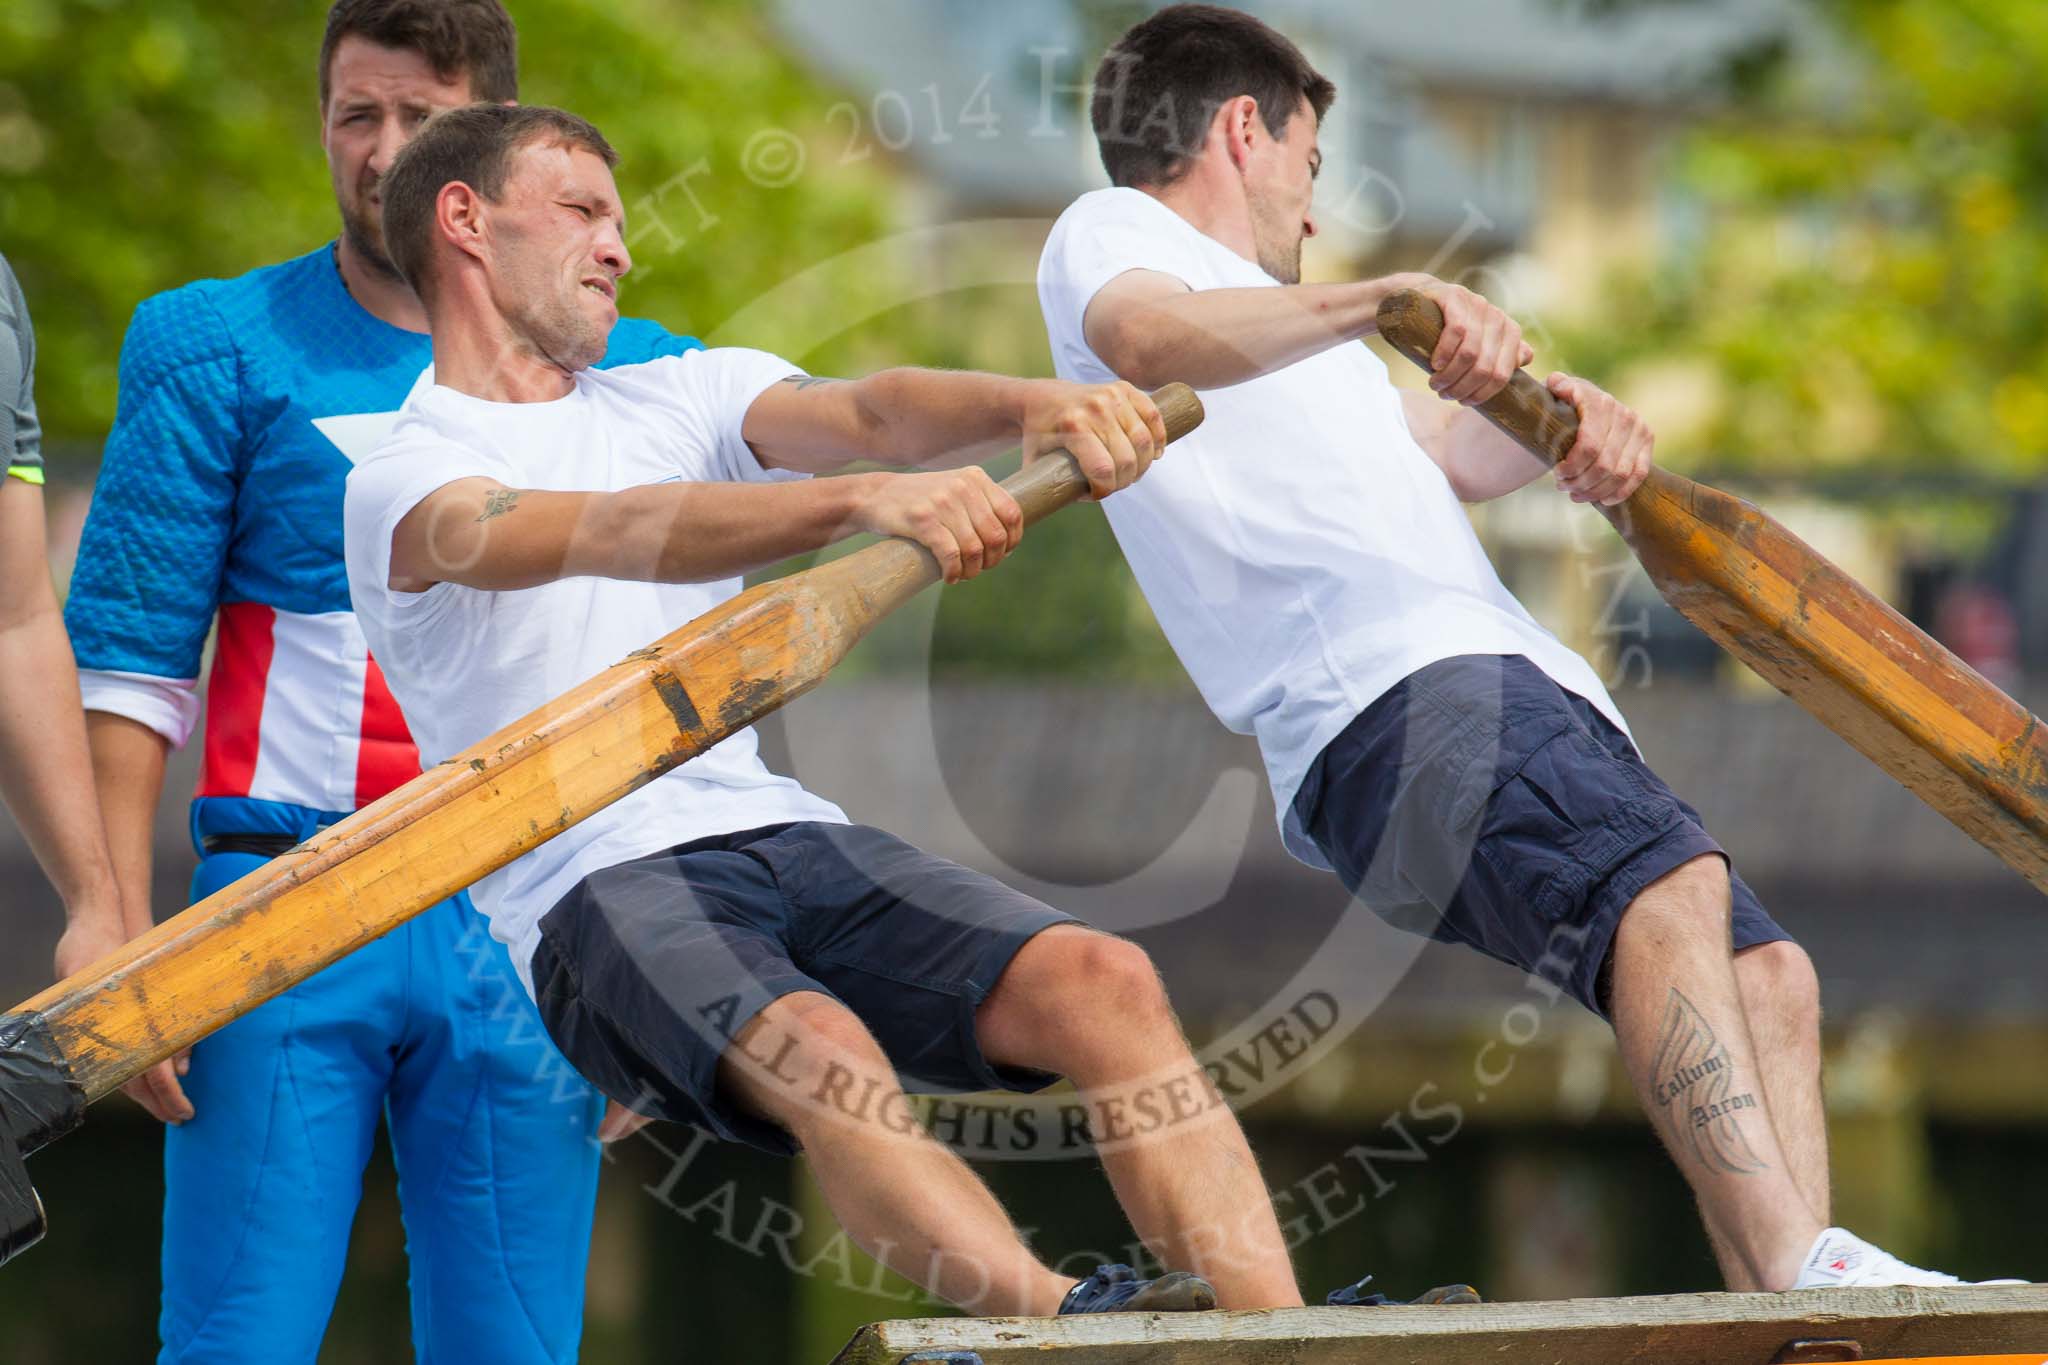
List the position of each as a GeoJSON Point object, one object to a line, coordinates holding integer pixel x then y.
{"type": "Point", "coordinates": [40, 1101]}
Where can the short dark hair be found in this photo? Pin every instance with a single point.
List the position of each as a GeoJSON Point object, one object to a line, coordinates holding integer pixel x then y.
{"type": "Point", "coordinates": [1160, 85]}
{"type": "Point", "coordinates": [473, 144]}
{"type": "Point", "coordinates": [457, 37]}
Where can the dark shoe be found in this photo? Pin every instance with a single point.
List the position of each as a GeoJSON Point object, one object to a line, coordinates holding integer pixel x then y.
{"type": "Point", "coordinates": [1117, 1289]}
{"type": "Point", "coordinates": [1354, 1296]}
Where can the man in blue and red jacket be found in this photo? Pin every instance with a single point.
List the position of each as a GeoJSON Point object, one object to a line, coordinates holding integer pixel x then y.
{"type": "Point", "coordinates": [242, 404]}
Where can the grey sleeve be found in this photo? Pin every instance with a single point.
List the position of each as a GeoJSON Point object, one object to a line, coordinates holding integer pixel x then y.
{"type": "Point", "coordinates": [21, 437]}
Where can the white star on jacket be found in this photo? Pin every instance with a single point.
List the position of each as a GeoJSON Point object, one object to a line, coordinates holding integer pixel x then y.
{"type": "Point", "coordinates": [357, 434]}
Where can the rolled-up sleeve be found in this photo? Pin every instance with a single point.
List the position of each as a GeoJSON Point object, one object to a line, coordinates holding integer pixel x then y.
{"type": "Point", "coordinates": [21, 436]}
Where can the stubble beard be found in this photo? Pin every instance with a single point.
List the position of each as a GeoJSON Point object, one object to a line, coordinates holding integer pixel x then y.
{"type": "Point", "coordinates": [1277, 245]}
{"type": "Point", "coordinates": [1282, 263]}
{"type": "Point", "coordinates": [569, 337]}
{"type": "Point", "coordinates": [365, 234]}
{"type": "Point", "coordinates": [558, 328]}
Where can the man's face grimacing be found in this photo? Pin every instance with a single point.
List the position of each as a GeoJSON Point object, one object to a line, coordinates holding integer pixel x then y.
{"type": "Point", "coordinates": [377, 99]}
{"type": "Point", "coordinates": [1280, 183]}
{"type": "Point", "coordinates": [557, 250]}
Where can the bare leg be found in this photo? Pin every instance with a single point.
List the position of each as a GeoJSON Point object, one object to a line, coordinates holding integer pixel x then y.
{"type": "Point", "coordinates": [1678, 1016]}
{"type": "Point", "coordinates": [809, 1064]}
{"type": "Point", "coordinates": [1090, 1007]}
{"type": "Point", "coordinates": [1781, 997]}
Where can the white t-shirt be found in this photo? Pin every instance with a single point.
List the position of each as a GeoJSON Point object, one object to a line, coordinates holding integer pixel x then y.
{"type": "Point", "coordinates": [1301, 551]}
{"type": "Point", "coordinates": [463, 662]}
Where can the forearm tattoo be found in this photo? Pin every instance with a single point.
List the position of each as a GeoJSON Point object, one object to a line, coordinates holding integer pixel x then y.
{"type": "Point", "coordinates": [498, 502]}
{"type": "Point", "coordinates": [1694, 1087]}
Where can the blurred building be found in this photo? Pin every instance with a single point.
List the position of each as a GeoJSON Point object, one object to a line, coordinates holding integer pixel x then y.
{"type": "Point", "coordinates": [1464, 130]}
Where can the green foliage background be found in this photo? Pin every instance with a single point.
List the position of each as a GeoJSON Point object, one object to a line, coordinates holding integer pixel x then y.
{"type": "Point", "coordinates": [145, 143]}
{"type": "Point", "coordinates": [1866, 275]}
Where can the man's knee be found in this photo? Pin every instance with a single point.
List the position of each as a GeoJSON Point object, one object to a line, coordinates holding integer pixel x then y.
{"type": "Point", "coordinates": [1778, 981]}
{"type": "Point", "coordinates": [1071, 984]}
{"type": "Point", "coordinates": [801, 1051]}
{"type": "Point", "coordinates": [1696, 892]}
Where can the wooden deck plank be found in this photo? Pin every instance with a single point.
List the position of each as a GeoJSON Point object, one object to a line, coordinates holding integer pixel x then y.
{"type": "Point", "coordinates": [1686, 1329]}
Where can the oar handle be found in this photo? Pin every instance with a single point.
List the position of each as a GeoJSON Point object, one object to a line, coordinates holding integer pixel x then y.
{"type": "Point", "coordinates": [1544, 424]}
{"type": "Point", "coordinates": [1048, 485]}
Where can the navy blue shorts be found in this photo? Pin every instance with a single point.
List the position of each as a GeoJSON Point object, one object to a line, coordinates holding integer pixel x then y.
{"type": "Point", "coordinates": [646, 970]}
{"type": "Point", "coordinates": [1478, 802]}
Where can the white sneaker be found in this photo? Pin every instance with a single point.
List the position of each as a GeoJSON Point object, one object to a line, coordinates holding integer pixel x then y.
{"type": "Point", "coordinates": [1840, 1259]}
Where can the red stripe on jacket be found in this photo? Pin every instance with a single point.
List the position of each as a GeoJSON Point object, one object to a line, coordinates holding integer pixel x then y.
{"type": "Point", "coordinates": [388, 758]}
{"type": "Point", "coordinates": [243, 647]}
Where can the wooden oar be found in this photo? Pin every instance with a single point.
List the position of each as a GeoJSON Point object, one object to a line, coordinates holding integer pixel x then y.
{"type": "Point", "coordinates": [1813, 632]}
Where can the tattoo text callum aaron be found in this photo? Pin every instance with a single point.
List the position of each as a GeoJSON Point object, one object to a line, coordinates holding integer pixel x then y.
{"type": "Point", "coordinates": [1693, 1083]}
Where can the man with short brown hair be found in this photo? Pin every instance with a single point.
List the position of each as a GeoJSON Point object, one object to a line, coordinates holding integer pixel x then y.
{"type": "Point", "coordinates": [243, 404]}
{"type": "Point", "coordinates": [1464, 773]}
{"type": "Point", "coordinates": [722, 947]}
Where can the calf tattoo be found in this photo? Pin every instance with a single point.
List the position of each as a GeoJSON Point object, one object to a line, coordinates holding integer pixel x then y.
{"type": "Point", "coordinates": [1693, 1083]}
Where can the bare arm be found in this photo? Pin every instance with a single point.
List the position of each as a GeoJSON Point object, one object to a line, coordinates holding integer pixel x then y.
{"type": "Point", "coordinates": [941, 419]}
{"type": "Point", "coordinates": [1144, 324]}
{"type": "Point", "coordinates": [45, 773]}
{"type": "Point", "coordinates": [483, 535]}
{"type": "Point", "coordinates": [1609, 460]}
{"type": "Point", "coordinates": [480, 534]}
{"type": "Point", "coordinates": [1477, 457]}
{"type": "Point", "coordinates": [1150, 327]}
{"type": "Point", "coordinates": [128, 771]}
{"type": "Point", "coordinates": [49, 772]}
{"type": "Point", "coordinates": [920, 418]}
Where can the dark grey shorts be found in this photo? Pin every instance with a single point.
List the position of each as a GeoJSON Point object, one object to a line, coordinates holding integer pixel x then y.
{"type": "Point", "coordinates": [1478, 802]}
{"type": "Point", "coordinates": [646, 970]}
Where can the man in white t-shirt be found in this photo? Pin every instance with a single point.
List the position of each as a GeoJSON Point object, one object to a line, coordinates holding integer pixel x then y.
{"type": "Point", "coordinates": [1306, 553]}
{"type": "Point", "coordinates": [721, 947]}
